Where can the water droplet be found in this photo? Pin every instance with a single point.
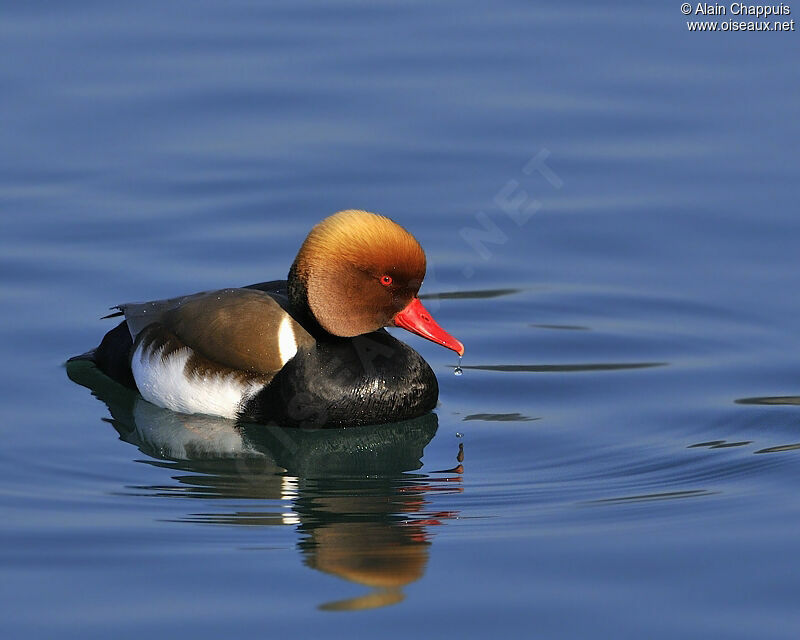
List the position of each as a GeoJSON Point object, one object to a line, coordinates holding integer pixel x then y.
{"type": "Point", "coordinates": [457, 370]}
{"type": "Point", "coordinates": [459, 434]}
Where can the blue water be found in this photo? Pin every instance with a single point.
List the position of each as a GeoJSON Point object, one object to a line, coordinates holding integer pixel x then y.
{"type": "Point", "coordinates": [609, 208]}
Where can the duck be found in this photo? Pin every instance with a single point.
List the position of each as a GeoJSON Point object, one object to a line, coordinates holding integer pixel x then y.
{"type": "Point", "coordinates": [309, 351]}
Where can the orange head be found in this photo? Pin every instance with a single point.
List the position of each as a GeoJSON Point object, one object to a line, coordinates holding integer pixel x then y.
{"type": "Point", "coordinates": [358, 271]}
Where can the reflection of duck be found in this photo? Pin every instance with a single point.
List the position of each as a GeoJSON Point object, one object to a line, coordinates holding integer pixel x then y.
{"type": "Point", "coordinates": [360, 515]}
{"type": "Point", "coordinates": [307, 351]}
{"type": "Point", "coordinates": [380, 553]}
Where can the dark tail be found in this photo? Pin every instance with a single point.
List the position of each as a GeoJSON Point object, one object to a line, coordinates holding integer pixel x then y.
{"type": "Point", "coordinates": [113, 355]}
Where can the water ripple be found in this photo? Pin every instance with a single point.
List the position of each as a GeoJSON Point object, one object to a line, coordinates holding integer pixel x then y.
{"type": "Point", "coordinates": [564, 368]}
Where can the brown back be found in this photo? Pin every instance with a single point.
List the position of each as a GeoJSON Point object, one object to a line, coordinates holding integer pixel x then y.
{"type": "Point", "coordinates": [238, 328]}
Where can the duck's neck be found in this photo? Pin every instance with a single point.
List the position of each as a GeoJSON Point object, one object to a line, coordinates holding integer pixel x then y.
{"type": "Point", "coordinates": [299, 307]}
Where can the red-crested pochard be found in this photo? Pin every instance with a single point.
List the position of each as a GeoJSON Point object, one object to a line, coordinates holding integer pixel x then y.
{"type": "Point", "coordinates": [307, 351]}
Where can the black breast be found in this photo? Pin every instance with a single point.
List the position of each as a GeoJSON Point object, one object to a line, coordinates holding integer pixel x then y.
{"type": "Point", "coordinates": [369, 379]}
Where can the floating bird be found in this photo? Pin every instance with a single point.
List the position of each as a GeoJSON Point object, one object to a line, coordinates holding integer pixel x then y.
{"type": "Point", "coordinates": [307, 351]}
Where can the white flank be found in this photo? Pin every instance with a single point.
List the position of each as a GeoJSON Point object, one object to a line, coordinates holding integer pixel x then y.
{"type": "Point", "coordinates": [165, 384]}
{"type": "Point", "coordinates": [287, 345]}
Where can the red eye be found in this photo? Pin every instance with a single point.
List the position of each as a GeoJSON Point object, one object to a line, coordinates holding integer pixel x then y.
{"type": "Point", "coordinates": [386, 280]}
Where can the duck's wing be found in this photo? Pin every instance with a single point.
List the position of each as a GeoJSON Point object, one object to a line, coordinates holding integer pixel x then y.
{"type": "Point", "coordinates": [278, 290]}
{"type": "Point", "coordinates": [244, 329]}
{"type": "Point", "coordinates": [273, 287]}
{"type": "Point", "coordinates": [139, 315]}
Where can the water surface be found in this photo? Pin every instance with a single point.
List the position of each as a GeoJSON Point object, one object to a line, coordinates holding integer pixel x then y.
{"type": "Point", "coordinates": [609, 208]}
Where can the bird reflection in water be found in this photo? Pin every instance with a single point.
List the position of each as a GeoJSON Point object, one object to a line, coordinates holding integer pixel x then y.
{"type": "Point", "coordinates": [361, 512]}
